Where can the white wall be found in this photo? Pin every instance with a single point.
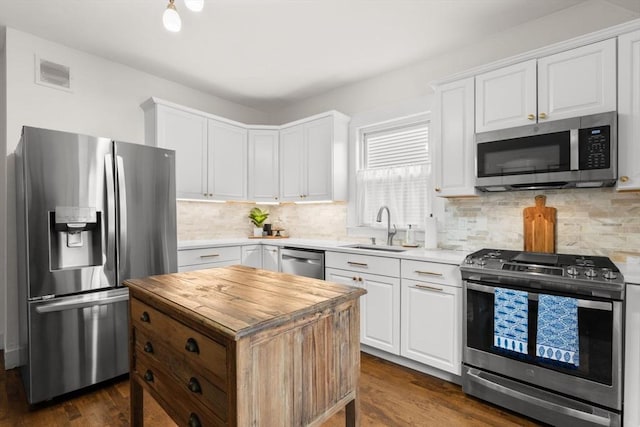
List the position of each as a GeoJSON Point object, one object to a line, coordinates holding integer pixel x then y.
{"type": "Point", "coordinates": [105, 101]}
{"type": "Point", "coordinates": [413, 82]}
{"type": "Point", "coordinates": [3, 186]}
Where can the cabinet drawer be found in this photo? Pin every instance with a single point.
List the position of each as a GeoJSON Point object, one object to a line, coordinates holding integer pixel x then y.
{"type": "Point", "coordinates": [194, 348]}
{"type": "Point", "coordinates": [363, 263]}
{"type": "Point", "coordinates": [180, 401]}
{"type": "Point", "coordinates": [188, 377]}
{"type": "Point", "coordinates": [208, 255]}
{"type": "Point", "coordinates": [434, 272]}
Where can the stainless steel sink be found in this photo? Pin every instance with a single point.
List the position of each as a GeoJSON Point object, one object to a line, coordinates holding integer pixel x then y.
{"type": "Point", "coordinates": [380, 248]}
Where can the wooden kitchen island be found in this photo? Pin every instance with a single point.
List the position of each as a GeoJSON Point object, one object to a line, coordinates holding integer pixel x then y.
{"type": "Point", "coordinates": [238, 346]}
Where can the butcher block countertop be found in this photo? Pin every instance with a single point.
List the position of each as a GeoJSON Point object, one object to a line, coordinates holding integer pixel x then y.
{"type": "Point", "coordinates": [214, 347]}
{"type": "Point", "coordinates": [237, 301]}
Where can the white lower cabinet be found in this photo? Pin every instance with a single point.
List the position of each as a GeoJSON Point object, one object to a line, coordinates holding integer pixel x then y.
{"type": "Point", "coordinates": [379, 308]}
{"type": "Point", "coordinates": [208, 257]}
{"type": "Point", "coordinates": [270, 258]}
{"type": "Point", "coordinates": [632, 357]}
{"type": "Point", "coordinates": [252, 256]}
{"type": "Point", "coordinates": [430, 324]}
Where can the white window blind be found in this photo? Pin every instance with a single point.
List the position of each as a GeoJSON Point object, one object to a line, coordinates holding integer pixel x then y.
{"type": "Point", "coordinates": [394, 171]}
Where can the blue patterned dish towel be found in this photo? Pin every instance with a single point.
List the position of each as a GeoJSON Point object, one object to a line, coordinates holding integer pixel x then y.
{"type": "Point", "coordinates": [558, 329]}
{"type": "Point", "coordinates": [511, 320]}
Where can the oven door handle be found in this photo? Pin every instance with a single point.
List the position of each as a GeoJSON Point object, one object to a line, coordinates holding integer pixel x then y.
{"type": "Point", "coordinates": [474, 376]}
{"type": "Point", "coordinates": [533, 296]}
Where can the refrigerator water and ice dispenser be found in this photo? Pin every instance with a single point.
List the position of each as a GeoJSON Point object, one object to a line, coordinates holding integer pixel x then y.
{"type": "Point", "coordinates": [75, 237]}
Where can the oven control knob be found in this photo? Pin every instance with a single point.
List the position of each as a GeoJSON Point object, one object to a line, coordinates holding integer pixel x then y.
{"type": "Point", "coordinates": [608, 274]}
{"type": "Point", "coordinates": [481, 261]}
{"type": "Point", "coordinates": [590, 272]}
{"type": "Point", "coordinates": [572, 271]}
{"type": "Point", "coordinates": [468, 260]}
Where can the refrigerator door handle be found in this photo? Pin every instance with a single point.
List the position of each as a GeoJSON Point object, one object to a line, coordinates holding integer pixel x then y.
{"type": "Point", "coordinates": [74, 304]}
{"type": "Point", "coordinates": [122, 213]}
{"type": "Point", "coordinates": [110, 264]}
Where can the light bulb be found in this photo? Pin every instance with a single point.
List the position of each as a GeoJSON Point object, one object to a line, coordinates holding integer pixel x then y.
{"type": "Point", "coordinates": [194, 5]}
{"type": "Point", "coordinates": [171, 19]}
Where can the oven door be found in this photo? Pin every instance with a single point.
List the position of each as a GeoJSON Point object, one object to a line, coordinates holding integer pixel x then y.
{"type": "Point", "coordinates": [597, 379]}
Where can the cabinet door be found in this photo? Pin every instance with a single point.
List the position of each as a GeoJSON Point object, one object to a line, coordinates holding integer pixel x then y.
{"type": "Point", "coordinates": [263, 166]}
{"type": "Point", "coordinates": [379, 308]}
{"type": "Point", "coordinates": [270, 258]}
{"type": "Point", "coordinates": [577, 82]}
{"type": "Point", "coordinates": [252, 256]}
{"type": "Point", "coordinates": [291, 163]}
{"type": "Point", "coordinates": [431, 325]}
{"type": "Point", "coordinates": [454, 146]}
{"type": "Point", "coordinates": [318, 155]}
{"type": "Point", "coordinates": [227, 161]}
{"type": "Point", "coordinates": [629, 111]}
{"type": "Point", "coordinates": [506, 97]}
{"type": "Point", "coordinates": [186, 133]}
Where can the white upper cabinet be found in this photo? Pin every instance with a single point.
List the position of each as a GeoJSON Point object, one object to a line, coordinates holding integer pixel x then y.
{"type": "Point", "coordinates": [227, 160]}
{"type": "Point", "coordinates": [576, 82]}
{"type": "Point", "coordinates": [313, 159]}
{"type": "Point", "coordinates": [219, 159]}
{"type": "Point", "coordinates": [263, 165]}
{"type": "Point", "coordinates": [186, 133]}
{"type": "Point", "coordinates": [453, 140]}
{"type": "Point", "coordinates": [629, 111]}
{"type": "Point", "coordinates": [506, 97]}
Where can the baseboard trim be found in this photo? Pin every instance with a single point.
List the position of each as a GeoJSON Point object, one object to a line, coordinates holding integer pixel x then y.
{"type": "Point", "coordinates": [411, 364]}
{"type": "Point", "coordinates": [12, 358]}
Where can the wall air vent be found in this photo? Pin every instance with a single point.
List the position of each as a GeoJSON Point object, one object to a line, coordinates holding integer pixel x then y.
{"type": "Point", "coordinates": [53, 75]}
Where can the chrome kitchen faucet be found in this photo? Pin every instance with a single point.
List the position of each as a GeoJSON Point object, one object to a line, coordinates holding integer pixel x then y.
{"type": "Point", "coordinates": [390, 234]}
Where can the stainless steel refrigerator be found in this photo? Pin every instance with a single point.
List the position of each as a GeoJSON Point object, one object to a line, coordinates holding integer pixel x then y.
{"type": "Point", "coordinates": [92, 212]}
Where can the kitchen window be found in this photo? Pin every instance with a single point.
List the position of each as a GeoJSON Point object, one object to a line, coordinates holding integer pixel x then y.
{"type": "Point", "coordinates": [394, 169]}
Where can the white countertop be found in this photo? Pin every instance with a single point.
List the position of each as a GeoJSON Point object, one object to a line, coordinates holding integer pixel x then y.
{"type": "Point", "coordinates": [443, 256]}
{"type": "Point", "coordinates": [631, 272]}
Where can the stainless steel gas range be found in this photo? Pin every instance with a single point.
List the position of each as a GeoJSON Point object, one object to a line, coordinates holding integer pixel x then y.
{"type": "Point", "coordinates": [543, 335]}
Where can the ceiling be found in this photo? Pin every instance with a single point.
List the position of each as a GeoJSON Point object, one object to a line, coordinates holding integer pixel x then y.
{"type": "Point", "coordinates": [269, 53]}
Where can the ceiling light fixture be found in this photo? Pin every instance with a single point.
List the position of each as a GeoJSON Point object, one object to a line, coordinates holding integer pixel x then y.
{"type": "Point", "coordinates": [170, 17]}
{"type": "Point", "coordinates": [194, 5]}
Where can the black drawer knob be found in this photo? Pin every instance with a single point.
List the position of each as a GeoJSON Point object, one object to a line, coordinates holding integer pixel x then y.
{"type": "Point", "coordinates": [148, 376]}
{"type": "Point", "coordinates": [145, 317]}
{"type": "Point", "coordinates": [148, 348]}
{"type": "Point", "coordinates": [192, 346]}
{"type": "Point", "coordinates": [194, 385]}
{"type": "Point", "coordinates": [194, 421]}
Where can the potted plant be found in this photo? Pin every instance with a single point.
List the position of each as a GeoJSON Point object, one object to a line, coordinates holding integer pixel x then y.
{"type": "Point", "coordinates": [258, 217]}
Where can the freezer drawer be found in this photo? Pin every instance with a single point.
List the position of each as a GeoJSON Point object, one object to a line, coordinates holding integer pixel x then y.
{"type": "Point", "coordinates": [75, 342]}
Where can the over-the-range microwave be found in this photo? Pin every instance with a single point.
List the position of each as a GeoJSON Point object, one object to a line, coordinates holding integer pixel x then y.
{"type": "Point", "coordinates": [576, 152]}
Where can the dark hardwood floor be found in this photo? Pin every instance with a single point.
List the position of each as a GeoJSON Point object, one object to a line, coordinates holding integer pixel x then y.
{"type": "Point", "coordinates": [391, 395]}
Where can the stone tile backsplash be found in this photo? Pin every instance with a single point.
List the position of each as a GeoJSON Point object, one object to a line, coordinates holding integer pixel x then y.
{"type": "Point", "coordinates": [589, 221]}
{"type": "Point", "coordinates": [206, 220]}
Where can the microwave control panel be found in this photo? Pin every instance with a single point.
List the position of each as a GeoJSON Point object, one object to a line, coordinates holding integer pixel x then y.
{"type": "Point", "coordinates": [595, 148]}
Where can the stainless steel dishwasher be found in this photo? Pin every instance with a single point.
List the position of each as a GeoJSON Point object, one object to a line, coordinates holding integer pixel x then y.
{"type": "Point", "coordinates": [302, 262]}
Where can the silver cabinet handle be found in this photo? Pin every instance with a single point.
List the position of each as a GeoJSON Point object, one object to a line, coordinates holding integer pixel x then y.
{"type": "Point", "coordinates": [430, 288]}
{"type": "Point", "coordinates": [209, 256]}
{"type": "Point", "coordinates": [428, 273]}
{"type": "Point", "coordinates": [358, 264]}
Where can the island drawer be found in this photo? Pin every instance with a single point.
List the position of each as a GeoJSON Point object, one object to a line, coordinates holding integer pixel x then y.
{"type": "Point", "coordinates": [433, 272]}
{"type": "Point", "coordinates": [193, 347]}
{"type": "Point", "coordinates": [222, 255]}
{"type": "Point", "coordinates": [179, 401]}
{"type": "Point", "coordinates": [363, 263]}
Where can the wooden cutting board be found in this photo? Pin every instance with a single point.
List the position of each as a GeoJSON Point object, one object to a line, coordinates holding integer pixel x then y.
{"type": "Point", "coordinates": [540, 227]}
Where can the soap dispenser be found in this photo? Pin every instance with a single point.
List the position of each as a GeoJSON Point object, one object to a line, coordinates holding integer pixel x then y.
{"type": "Point", "coordinates": [409, 239]}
